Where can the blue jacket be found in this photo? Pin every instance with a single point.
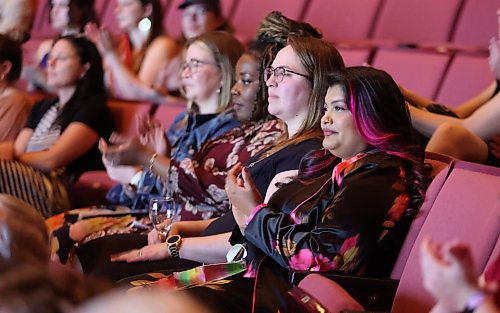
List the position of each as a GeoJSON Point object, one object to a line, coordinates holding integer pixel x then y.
{"type": "Point", "coordinates": [186, 138]}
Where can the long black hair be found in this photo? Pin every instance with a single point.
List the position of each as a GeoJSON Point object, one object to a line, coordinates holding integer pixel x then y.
{"type": "Point", "coordinates": [90, 88]}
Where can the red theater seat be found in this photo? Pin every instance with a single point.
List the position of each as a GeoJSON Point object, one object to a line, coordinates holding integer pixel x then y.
{"type": "Point", "coordinates": [417, 70]}
{"type": "Point", "coordinates": [341, 20]}
{"type": "Point", "coordinates": [410, 21]}
{"type": "Point", "coordinates": [108, 19]}
{"type": "Point", "coordinates": [467, 76]}
{"type": "Point", "coordinates": [248, 14]}
{"type": "Point", "coordinates": [166, 113]}
{"type": "Point", "coordinates": [124, 113]}
{"type": "Point", "coordinates": [354, 57]}
{"type": "Point", "coordinates": [477, 23]}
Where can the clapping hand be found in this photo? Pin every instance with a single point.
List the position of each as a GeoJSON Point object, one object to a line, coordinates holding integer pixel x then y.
{"type": "Point", "coordinates": [448, 274]}
{"type": "Point", "coordinates": [242, 193]}
{"type": "Point", "coordinates": [124, 151]}
{"type": "Point", "coordinates": [152, 134]}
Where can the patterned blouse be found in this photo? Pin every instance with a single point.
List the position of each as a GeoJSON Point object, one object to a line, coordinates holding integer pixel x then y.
{"type": "Point", "coordinates": [186, 135]}
{"type": "Point", "coordinates": [336, 222]}
{"type": "Point", "coordinates": [199, 182]}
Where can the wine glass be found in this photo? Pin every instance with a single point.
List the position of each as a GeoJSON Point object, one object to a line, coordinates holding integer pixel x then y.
{"type": "Point", "coordinates": [163, 212]}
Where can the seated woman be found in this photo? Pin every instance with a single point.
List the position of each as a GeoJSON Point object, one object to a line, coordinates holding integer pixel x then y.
{"type": "Point", "coordinates": [292, 98]}
{"type": "Point", "coordinates": [142, 51]}
{"type": "Point", "coordinates": [207, 76]}
{"type": "Point", "coordinates": [198, 17]}
{"type": "Point", "coordinates": [465, 134]}
{"type": "Point", "coordinates": [319, 222]}
{"type": "Point", "coordinates": [59, 141]}
{"type": "Point", "coordinates": [68, 17]}
{"type": "Point", "coordinates": [14, 105]}
{"type": "Point", "coordinates": [198, 183]}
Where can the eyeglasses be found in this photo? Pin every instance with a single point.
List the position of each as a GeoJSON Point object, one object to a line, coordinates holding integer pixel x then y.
{"type": "Point", "coordinates": [193, 65]}
{"type": "Point", "coordinates": [279, 73]}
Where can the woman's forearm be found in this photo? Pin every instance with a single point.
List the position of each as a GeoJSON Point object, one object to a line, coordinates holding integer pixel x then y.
{"type": "Point", "coordinates": [413, 98]}
{"type": "Point", "coordinates": [209, 249]}
{"type": "Point", "coordinates": [471, 105]}
{"type": "Point", "coordinates": [191, 228]}
{"type": "Point", "coordinates": [427, 122]}
{"type": "Point", "coordinates": [160, 165]}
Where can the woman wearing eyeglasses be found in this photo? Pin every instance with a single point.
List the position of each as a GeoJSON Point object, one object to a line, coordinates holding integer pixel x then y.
{"type": "Point", "coordinates": [294, 97]}
{"type": "Point", "coordinates": [279, 160]}
{"type": "Point", "coordinates": [207, 76]}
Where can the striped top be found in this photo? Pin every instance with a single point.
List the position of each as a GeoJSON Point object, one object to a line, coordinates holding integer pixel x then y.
{"type": "Point", "coordinates": [47, 131]}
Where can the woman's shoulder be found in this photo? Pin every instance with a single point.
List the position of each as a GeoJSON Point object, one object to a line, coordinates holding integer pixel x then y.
{"type": "Point", "coordinates": [372, 161]}
{"type": "Point", "coordinates": [163, 46]}
{"type": "Point", "coordinates": [14, 95]}
{"type": "Point", "coordinates": [44, 104]}
{"type": "Point", "coordinates": [164, 41]}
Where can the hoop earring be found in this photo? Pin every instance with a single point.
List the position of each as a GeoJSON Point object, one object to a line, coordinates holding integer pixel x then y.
{"type": "Point", "coordinates": [145, 24]}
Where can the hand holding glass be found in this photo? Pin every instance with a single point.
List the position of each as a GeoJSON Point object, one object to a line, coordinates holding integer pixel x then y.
{"type": "Point", "coordinates": [163, 213]}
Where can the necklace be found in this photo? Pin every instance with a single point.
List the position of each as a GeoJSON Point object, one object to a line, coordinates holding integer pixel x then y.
{"type": "Point", "coordinates": [255, 162]}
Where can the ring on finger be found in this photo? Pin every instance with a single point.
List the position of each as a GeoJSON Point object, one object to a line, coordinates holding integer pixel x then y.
{"type": "Point", "coordinates": [140, 253]}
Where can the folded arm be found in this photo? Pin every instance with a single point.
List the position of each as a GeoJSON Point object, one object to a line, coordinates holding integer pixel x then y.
{"type": "Point", "coordinates": [74, 142]}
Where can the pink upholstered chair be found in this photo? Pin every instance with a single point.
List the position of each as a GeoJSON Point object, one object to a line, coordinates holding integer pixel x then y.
{"type": "Point", "coordinates": [409, 21]}
{"type": "Point", "coordinates": [468, 209]}
{"type": "Point", "coordinates": [108, 19]}
{"type": "Point", "coordinates": [41, 25]}
{"type": "Point", "coordinates": [316, 293]}
{"type": "Point", "coordinates": [166, 113]}
{"type": "Point", "coordinates": [354, 57]}
{"type": "Point", "coordinates": [341, 20]}
{"type": "Point", "coordinates": [420, 71]}
{"type": "Point", "coordinates": [248, 14]}
{"type": "Point", "coordinates": [463, 202]}
{"type": "Point", "coordinates": [124, 113]}
{"type": "Point", "coordinates": [458, 86]}
{"type": "Point", "coordinates": [477, 23]}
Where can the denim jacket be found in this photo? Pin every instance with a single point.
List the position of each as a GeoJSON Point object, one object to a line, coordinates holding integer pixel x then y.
{"type": "Point", "coordinates": [186, 138]}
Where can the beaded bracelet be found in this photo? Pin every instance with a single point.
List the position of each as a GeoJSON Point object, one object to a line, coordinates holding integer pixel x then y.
{"type": "Point", "coordinates": [152, 161]}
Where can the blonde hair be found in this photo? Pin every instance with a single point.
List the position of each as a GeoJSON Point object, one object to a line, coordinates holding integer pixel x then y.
{"type": "Point", "coordinates": [226, 50]}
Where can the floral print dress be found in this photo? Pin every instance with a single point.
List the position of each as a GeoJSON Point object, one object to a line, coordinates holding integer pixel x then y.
{"type": "Point", "coordinates": [337, 221]}
{"type": "Point", "coordinates": [199, 182]}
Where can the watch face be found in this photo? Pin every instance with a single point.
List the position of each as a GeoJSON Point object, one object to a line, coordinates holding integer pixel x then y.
{"type": "Point", "coordinates": [173, 239]}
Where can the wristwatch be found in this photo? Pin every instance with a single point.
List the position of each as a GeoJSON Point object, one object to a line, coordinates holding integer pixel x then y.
{"type": "Point", "coordinates": [173, 244]}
